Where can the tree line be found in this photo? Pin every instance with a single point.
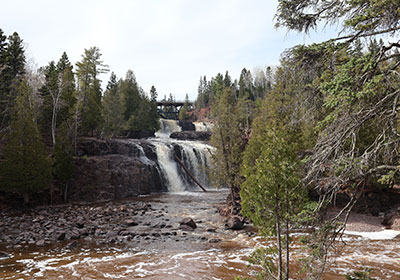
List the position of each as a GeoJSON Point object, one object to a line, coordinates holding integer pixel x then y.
{"type": "Point", "coordinates": [326, 122]}
{"type": "Point", "coordinates": [44, 111]}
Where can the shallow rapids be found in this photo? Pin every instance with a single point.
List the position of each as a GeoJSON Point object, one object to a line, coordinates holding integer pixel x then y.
{"type": "Point", "coordinates": [209, 252]}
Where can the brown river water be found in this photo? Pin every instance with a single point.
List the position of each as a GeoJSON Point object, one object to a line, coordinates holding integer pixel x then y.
{"type": "Point", "coordinates": [209, 252]}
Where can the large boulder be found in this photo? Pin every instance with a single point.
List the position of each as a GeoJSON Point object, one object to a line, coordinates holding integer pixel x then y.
{"type": "Point", "coordinates": [187, 224]}
{"type": "Point", "coordinates": [235, 223]}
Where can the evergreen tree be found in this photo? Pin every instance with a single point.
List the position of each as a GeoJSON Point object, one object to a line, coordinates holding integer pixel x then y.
{"type": "Point", "coordinates": [63, 167]}
{"type": "Point", "coordinates": [131, 96]}
{"type": "Point", "coordinates": [12, 72]}
{"type": "Point", "coordinates": [50, 93]}
{"type": "Point", "coordinates": [246, 85]}
{"type": "Point", "coordinates": [89, 86]}
{"type": "Point", "coordinates": [67, 88]}
{"type": "Point", "coordinates": [153, 94]}
{"type": "Point", "coordinates": [113, 108]}
{"type": "Point", "coordinates": [26, 167]}
{"type": "Point", "coordinates": [229, 140]}
{"type": "Point", "coordinates": [183, 113]}
{"type": "Point", "coordinates": [3, 48]}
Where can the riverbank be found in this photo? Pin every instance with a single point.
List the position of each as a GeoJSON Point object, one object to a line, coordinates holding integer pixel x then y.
{"type": "Point", "coordinates": [116, 222]}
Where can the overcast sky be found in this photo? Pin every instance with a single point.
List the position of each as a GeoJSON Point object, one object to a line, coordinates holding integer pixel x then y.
{"type": "Point", "coordinates": [167, 43]}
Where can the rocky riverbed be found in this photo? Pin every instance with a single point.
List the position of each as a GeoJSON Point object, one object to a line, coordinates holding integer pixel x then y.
{"type": "Point", "coordinates": [116, 222]}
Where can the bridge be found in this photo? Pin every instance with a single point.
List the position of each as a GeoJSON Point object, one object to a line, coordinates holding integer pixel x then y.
{"type": "Point", "coordinates": [170, 109]}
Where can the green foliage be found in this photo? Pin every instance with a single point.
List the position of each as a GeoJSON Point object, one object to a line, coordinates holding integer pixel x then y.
{"type": "Point", "coordinates": [229, 140]}
{"type": "Point", "coordinates": [12, 66]}
{"type": "Point", "coordinates": [183, 113]}
{"type": "Point", "coordinates": [26, 167]}
{"type": "Point", "coordinates": [113, 108]}
{"type": "Point", "coordinates": [90, 106]}
{"type": "Point", "coordinates": [63, 167]}
{"type": "Point", "coordinates": [140, 111]}
{"type": "Point", "coordinates": [358, 15]}
{"type": "Point", "coordinates": [360, 275]}
{"type": "Point", "coordinates": [262, 258]}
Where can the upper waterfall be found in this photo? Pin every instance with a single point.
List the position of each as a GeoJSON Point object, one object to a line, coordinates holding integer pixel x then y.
{"type": "Point", "coordinates": [167, 127]}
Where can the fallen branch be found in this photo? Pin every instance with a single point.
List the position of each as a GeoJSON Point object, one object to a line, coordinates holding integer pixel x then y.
{"type": "Point", "coordinates": [190, 174]}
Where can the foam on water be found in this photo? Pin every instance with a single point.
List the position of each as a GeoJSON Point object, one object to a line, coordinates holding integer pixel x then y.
{"type": "Point", "coordinates": [377, 235]}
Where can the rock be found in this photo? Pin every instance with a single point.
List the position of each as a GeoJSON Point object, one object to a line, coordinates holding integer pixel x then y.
{"type": "Point", "coordinates": [389, 218]}
{"type": "Point", "coordinates": [186, 228]}
{"type": "Point", "coordinates": [160, 225]}
{"type": "Point", "coordinates": [61, 236]}
{"type": "Point", "coordinates": [211, 230]}
{"type": "Point", "coordinates": [40, 243]}
{"type": "Point", "coordinates": [235, 223]}
{"type": "Point", "coordinates": [214, 240]}
{"type": "Point", "coordinates": [188, 222]}
{"type": "Point", "coordinates": [71, 245]}
{"type": "Point", "coordinates": [130, 223]}
{"type": "Point", "coordinates": [187, 126]}
{"type": "Point", "coordinates": [192, 135]}
{"type": "Point", "coordinates": [4, 255]}
{"type": "Point", "coordinates": [138, 134]}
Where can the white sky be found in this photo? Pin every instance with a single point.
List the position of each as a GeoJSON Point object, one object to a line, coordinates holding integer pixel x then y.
{"type": "Point", "coordinates": [167, 43]}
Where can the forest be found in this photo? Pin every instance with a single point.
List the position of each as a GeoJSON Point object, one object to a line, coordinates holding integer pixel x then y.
{"type": "Point", "coordinates": [44, 112]}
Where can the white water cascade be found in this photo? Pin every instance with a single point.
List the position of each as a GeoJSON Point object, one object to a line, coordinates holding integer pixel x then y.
{"type": "Point", "coordinates": [196, 156]}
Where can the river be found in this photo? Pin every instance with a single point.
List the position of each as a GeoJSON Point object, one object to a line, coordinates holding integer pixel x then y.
{"type": "Point", "coordinates": [208, 252]}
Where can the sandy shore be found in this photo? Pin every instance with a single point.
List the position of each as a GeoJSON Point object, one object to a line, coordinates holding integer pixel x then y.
{"type": "Point", "coordinates": [365, 223]}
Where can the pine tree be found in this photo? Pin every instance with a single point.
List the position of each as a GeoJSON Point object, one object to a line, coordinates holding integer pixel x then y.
{"type": "Point", "coordinates": [67, 88]}
{"type": "Point", "coordinates": [26, 167]}
{"type": "Point", "coordinates": [131, 97]}
{"type": "Point", "coordinates": [89, 85]}
{"type": "Point", "coordinates": [113, 108]}
{"type": "Point", "coordinates": [183, 113]}
{"type": "Point", "coordinates": [11, 75]}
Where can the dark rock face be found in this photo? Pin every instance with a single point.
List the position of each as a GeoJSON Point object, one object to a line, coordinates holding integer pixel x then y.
{"type": "Point", "coordinates": [192, 135]}
{"type": "Point", "coordinates": [138, 134]}
{"type": "Point", "coordinates": [187, 126]}
{"type": "Point", "coordinates": [113, 169]}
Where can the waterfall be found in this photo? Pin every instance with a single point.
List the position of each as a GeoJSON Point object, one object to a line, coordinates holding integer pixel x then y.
{"type": "Point", "coordinates": [167, 127]}
{"type": "Point", "coordinates": [159, 154]}
{"type": "Point", "coordinates": [196, 156]}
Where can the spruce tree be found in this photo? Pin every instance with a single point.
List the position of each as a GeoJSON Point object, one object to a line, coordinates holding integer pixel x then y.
{"type": "Point", "coordinates": [89, 84]}
{"type": "Point", "coordinates": [113, 108]}
{"type": "Point", "coordinates": [26, 167]}
{"type": "Point", "coordinates": [12, 72]}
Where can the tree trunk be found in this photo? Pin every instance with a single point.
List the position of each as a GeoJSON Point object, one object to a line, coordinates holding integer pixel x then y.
{"type": "Point", "coordinates": [278, 236]}
{"type": "Point", "coordinates": [287, 233]}
{"type": "Point", "coordinates": [53, 125]}
{"type": "Point", "coordinates": [224, 151]}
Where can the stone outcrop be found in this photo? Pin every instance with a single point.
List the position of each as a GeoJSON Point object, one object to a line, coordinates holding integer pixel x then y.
{"type": "Point", "coordinates": [113, 169]}
{"type": "Point", "coordinates": [187, 126]}
{"type": "Point", "coordinates": [192, 135]}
